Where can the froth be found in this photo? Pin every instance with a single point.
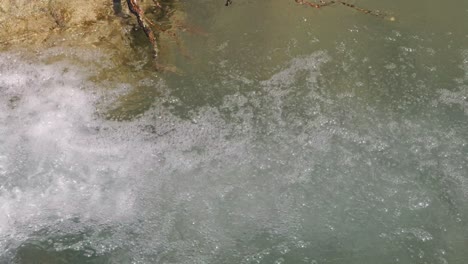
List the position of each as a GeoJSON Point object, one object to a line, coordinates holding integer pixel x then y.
{"type": "Point", "coordinates": [285, 168]}
{"type": "Point", "coordinates": [458, 96]}
{"type": "Point", "coordinates": [54, 165]}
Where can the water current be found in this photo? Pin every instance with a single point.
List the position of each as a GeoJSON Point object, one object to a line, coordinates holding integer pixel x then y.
{"type": "Point", "coordinates": [290, 135]}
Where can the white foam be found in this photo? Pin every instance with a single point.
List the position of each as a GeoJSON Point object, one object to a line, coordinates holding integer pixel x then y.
{"type": "Point", "coordinates": [459, 96]}
{"type": "Point", "coordinates": [273, 166]}
{"type": "Point", "coordinates": [60, 161]}
{"type": "Point", "coordinates": [53, 164]}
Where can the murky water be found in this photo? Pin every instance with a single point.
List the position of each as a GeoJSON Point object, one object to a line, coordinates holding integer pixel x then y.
{"type": "Point", "coordinates": [289, 135]}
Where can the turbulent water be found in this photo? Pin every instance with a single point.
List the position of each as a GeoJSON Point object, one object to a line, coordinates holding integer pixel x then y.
{"type": "Point", "coordinates": [292, 135]}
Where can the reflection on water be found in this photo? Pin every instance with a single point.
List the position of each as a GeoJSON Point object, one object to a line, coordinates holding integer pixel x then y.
{"type": "Point", "coordinates": [292, 135]}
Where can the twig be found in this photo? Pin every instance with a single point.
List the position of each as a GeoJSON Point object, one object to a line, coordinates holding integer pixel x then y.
{"type": "Point", "coordinates": [315, 5]}
{"type": "Point", "coordinates": [157, 4]}
{"type": "Point", "coordinates": [322, 3]}
{"type": "Point", "coordinates": [143, 22]}
{"type": "Point", "coordinates": [362, 10]}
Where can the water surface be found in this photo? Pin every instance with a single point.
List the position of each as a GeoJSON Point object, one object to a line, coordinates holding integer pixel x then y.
{"type": "Point", "coordinates": [288, 135]}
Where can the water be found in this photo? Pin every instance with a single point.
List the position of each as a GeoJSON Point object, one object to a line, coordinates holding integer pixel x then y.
{"type": "Point", "coordinates": [291, 135]}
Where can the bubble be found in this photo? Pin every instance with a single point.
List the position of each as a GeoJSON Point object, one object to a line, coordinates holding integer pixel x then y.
{"type": "Point", "coordinates": [287, 172]}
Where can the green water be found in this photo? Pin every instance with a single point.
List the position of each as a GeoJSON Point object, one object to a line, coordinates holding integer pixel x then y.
{"type": "Point", "coordinates": [288, 135]}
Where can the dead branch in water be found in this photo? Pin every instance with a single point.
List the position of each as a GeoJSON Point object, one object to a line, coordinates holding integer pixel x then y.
{"type": "Point", "coordinates": [322, 3]}
{"type": "Point", "coordinates": [144, 23]}
{"type": "Point", "coordinates": [150, 27]}
{"type": "Point", "coordinates": [332, 2]}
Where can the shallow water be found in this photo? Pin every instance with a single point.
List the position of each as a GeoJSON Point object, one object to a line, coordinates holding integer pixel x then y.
{"type": "Point", "coordinates": [291, 135]}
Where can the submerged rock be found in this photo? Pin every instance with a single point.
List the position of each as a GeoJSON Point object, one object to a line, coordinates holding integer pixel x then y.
{"type": "Point", "coordinates": [35, 22]}
{"type": "Point", "coordinates": [99, 24]}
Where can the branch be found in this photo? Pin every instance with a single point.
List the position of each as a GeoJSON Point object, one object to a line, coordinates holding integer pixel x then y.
{"type": "Point", "coordinates": [376, 13]}
{"type": "Point", "coordinates": [143, 22]}
{"type": "Point", "coordinates": [323, 3]}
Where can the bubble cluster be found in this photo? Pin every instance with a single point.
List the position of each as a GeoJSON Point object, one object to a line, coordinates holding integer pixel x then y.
{"type": "Point", "coordinates": [287, 174]}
